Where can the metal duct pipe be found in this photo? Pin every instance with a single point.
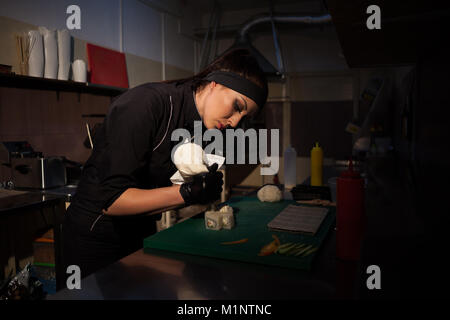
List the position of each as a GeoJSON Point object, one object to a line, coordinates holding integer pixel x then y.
{"type": "Point", "coordinates": [292, 19]}
{"type": "Point", "coordinates": [243, 42]}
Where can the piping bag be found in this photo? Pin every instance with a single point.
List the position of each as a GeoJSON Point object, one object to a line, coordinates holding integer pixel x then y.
{"type": "Point", "coordinates": [190, 160]}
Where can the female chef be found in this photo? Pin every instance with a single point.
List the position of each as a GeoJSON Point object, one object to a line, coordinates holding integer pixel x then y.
{"type": "Point", "coordinates": [129, 170]}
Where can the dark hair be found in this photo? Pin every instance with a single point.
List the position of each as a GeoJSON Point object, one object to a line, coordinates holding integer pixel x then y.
{"type": "Point", "coordinates": [238, 61]}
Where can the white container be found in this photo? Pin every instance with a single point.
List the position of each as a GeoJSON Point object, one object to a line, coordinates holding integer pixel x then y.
{"type": "Point", "coordinates": [79, 70]}
{"type": "Point", "coordinates": [168, 219]}
{"type": "Point", "coordinates": [36, 58]}
{"type": "Point", "coordinates": [63, 54]}
{"type": "Point", "coordinates": [290, 168]}
{"type": "Point", "coordinates": [50, 53]}
{"type": "Point", "coordinates": [332, 183]}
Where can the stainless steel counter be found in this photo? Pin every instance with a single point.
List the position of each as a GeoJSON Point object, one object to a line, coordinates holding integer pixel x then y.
{"type": "Point", "coordinates": [19, 214]}
{"type": "Point", "coordinates": [411, 257]}
{"type": "Point", "coordinates": [179, 276]}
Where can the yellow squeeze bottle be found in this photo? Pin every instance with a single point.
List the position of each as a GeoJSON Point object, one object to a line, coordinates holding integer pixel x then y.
{"type": "Point", "coordinates": [316, 165]}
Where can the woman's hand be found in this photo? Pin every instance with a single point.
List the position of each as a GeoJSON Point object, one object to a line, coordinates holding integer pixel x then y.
{"type": "Point", "coordinates": [205, 187]}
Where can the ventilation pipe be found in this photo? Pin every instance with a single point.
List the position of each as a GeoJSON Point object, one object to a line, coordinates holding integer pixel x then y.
{"type": "Point", "coordinates": [242, 40]}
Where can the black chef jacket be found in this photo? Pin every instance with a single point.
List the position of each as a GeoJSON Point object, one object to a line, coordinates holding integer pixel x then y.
{"type": "Point", "coordinates": [135, 124]}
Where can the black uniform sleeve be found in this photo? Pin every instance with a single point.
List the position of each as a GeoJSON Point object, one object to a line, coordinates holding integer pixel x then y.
{"type": "Point", "coordinates": [130, 128]}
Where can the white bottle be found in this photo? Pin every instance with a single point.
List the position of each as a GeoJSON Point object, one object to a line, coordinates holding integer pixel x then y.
{"type": "Point", "coordinates": [290, 168]}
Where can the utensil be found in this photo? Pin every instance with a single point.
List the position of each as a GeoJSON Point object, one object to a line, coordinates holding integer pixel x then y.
{"type": "Point", "coordinates": [89, 135]}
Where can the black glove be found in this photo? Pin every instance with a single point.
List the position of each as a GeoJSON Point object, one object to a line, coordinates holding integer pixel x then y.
{"type": "Point", "coordinates": [204, 188]}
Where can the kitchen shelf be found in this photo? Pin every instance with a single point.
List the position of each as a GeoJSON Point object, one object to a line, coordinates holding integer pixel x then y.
{"type": "Point", "coordinates": [18, 81]}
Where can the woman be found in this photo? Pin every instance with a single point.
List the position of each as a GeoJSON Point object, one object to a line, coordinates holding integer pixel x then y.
{"type": "Point", "coordinates": [129, 170]}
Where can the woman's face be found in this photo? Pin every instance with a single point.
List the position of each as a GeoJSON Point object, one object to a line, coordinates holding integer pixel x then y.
{"type": "Point", "coordinates": [221, 106]}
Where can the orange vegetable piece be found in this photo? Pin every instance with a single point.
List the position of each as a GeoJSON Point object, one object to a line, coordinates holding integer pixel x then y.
{"type": "Point", "coordinates": [236, 242]}
{"type": "Point", "coordinates": [270, 248]}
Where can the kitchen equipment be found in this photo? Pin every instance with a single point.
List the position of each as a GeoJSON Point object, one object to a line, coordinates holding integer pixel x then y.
{"type": "Point", "coordinates": [316, 165]}
{"type": "Point", "coordinates": [4, 68]}
{"type": "Point", "coordinates": [38, 172]}
{"type": "Point", "coordinates": [168, 219]}
{"type": "Point", "coordinates": [30, 169]}
{"type": "Point", "coordinates": [74, 170]}
{"type": "Point", "coordinates": [251, 219]}
{"type": "Point", "coordinates": [23, 45]}
{"type": "Point", "coordinates": [68, 191]}
{"type": "Point", "coordinates": [14, 149]}
{"type": "Point", "coordinates": [106, 66]}
{"type": "Point", "coordinates": [350, 214]}
{"type": "Point", "coordinates": [332, 183]}
{"type": "Point", "coordinates": [88, 129]}
{"type": "Point", "coordinates": [290, 165]}
{"type": "Point", "coordinates": [299, 219]}
{"type": "Point", "coordinates": [305, 192]}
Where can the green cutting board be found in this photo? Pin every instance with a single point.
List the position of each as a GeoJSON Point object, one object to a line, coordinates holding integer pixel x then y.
{"type": "Point", "coordinates": [251, 217]}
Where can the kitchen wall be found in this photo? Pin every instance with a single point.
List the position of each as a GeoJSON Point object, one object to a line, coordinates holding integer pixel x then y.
{"type": "Point", "coordinates": [319, 108]}
{"type": "Point", "coordinates": [319, 93]}
{"type": "Point", "coordinates": [322, 105]}
{"type": "Point", "coordinates": [322, 92]}
{"type": "Point", "coordinates": [52, 123]}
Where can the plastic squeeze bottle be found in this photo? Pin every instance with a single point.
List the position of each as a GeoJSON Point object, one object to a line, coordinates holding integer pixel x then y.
{"type": "Point", "coordinates": [316, 165]}
{"type": "Point", "coordinates": [350, 219]}
{"type": "Point", "coordinates": [290, 168]}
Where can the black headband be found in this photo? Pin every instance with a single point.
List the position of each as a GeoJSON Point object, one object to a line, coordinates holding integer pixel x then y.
{"type": "Point", "coordinates": [240, 84]}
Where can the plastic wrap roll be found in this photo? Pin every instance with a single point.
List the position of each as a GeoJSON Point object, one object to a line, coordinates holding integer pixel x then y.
{"type": "Point", "coordinates": [63, 54]}
{"type": "Point", "coordinates": [36, 59]}
{"type": "Point", "coordinates": [50, 53]}
{"type": "Point", "coordinates": [79, 70]}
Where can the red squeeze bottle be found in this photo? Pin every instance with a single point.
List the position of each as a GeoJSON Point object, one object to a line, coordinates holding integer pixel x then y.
{"type": "Point", "coordinates": [350, 214]}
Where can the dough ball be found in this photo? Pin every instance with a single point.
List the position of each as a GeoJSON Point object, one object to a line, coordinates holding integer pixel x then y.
{"type": "Point", "coordinates": [269, 193]}
{"type": "Point", "coordinates": [188, 158]}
